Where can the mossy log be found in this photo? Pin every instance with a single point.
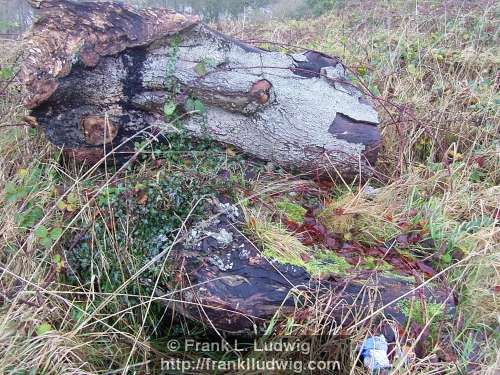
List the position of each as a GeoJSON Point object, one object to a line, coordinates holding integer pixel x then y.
{"type": "Point", "coordinates": [225, 281]}
{"type": "Point", "coordinates": [98, 75]}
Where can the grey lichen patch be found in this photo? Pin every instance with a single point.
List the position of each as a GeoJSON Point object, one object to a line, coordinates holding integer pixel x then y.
{"type": "Point", "coordinates": [231, 210]}
{"type": "Point", "coordinates": [223, 264]}
{"type": "Point", "coordinates": [244, 252]}
{"type": "Point", "coordinates": [223, 237]}
{"type": "Point", "coordinates": [290, 125]}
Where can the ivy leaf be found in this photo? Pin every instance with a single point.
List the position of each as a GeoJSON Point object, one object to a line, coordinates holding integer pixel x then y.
{"type": "Point", "coordinates": [195, 105]}
{"type": "Point", "coordinates": [200, 69]}
{"type": "Point", "coordinates": [169, 108]}
{"type": "Point", "coordinates": [199, 106]}
{"type": "Point", "coordinates": [204, 65]}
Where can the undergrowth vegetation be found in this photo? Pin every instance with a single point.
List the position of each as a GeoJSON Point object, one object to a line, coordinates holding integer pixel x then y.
{"type": "Point", "coordinates": [83, 249]}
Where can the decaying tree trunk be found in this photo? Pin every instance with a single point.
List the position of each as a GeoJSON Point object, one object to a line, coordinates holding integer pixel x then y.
{"type": "Point", "coordinates": [99, 73]}
{"type": "Point", "coordinates": [227, 283]}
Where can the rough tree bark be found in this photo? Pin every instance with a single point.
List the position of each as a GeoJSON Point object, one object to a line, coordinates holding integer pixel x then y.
{"type": "Point", "coordinates": [98, 73]}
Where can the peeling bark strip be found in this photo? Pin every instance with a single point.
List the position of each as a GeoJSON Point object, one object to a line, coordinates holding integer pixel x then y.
{"type": "Point", "coordinates": [107, 60]}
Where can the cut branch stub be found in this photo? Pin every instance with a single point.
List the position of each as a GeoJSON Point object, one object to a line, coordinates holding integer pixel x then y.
{"type": "Point", "coordinates": [299, 111]}
{"type": "Point", "coordinates": [98, 130]}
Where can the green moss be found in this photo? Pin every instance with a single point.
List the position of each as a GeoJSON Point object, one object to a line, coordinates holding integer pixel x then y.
{"type": "Point", "coordinates": [285, 259]}
{"type": "Point", "coordinates": [320, 263]}
{"type": "Point", "coordinates": [372, 263]}
{"type": "Point", "coordinates": [420, 312]}
{"type": "Point", "coordinates": [326, 262]}
{"type": "Point", "coordinates": [395, 275]}
{"type": "Point", "coordinates": [292, 210]}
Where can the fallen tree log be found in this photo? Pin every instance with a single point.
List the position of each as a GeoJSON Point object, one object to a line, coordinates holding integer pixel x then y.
{"type": "Point", "coordinates": [225, 281]}
{"type": "Point", "coordinates": [97, 75]}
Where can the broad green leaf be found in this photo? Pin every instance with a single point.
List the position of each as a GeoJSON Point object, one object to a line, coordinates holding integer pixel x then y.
{"type": "Point", "coordinates": [6, 73]}
{"type": "Point", "coordinates": [199, 106]}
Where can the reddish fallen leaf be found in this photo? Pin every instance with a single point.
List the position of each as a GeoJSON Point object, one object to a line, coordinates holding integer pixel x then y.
{"type": "Point", "coordinates": [331, 243]}
{"type": "Point", "coordinates": [142, 198]}
{"type": "Point", "coordinates": [479, 161]}
{"type": "Point", "coordinates": [446, 354]}
{"type": "Point", "coordinates": [305, 257]}
{"type": "Point", "coordinates": [404, 226]}
{"type": "Point", "coordinates": [339, 211]}
{"type": "Point", "coordinates": [429, 271]}
{"type": "Point", "coordinates": [420, 347]}
{"type": "Point", "coordinates": [373, 252]}
{"type": "Point", "coordinates": [414, 237]}
{"type": "Point", "coordinates": [413, 212]}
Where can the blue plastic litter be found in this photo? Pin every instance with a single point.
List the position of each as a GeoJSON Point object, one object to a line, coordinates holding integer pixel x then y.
{"type": "Point", "coordinates": [373, 352]}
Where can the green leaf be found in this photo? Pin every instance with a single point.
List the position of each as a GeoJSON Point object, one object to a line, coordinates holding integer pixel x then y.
{"type": "Point", "coordinates": [46, 242]}
{"type": "Point", "coordinates": [200, 69]}
{"type": "Point", "coordinates": [29, 217]}
{"type": "Point", "coordinates": [6, 73]}
{"type": "Point", "coordinates": [43, 328]}
{"type": "Point", "coordinates": [361, 70]}
{"type": "Point", "coordinates": [41, 232]}
{"type": "Point", "coordinates": [11, 192]}
{"type": "Point", "coordinates": [169, 108]}
{"type": "Point", "coordinates": [77, 314]}
{"type": "Point", "coordinates": [204, 65]}
{"type": "Point", "coordinates": [412, 69]}
{"type": "Point", "coordinates": [55, 233]}
{"type": "Point", "coordinates": [195, 105]}
{"type": "Point", "coordinates": [199, 106]}
{"type": "Point", "coordinates": [446, 258]}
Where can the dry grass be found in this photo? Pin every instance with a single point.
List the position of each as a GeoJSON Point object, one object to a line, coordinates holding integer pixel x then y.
{"type": "Point", "coordinates": [434, 72]}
